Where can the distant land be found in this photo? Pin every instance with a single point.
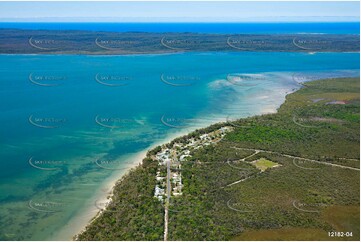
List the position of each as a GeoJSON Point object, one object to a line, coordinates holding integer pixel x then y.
{"type": "Point", "coordinates": [16, 41]}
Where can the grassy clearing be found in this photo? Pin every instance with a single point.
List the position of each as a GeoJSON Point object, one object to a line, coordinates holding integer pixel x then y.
{"type": "Point", "coordinates": [263, 164]}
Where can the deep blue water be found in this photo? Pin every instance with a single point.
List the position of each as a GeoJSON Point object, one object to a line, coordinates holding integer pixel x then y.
{"type": "Point", "coordinates": [270, 28]}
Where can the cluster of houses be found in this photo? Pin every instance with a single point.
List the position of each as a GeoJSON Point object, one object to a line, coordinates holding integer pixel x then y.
{"type": "Point", "coordinates": [179, 153]}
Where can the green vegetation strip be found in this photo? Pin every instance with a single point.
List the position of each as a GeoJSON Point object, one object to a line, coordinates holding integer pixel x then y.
{"type": "Point", "coordinates": [16, 41]}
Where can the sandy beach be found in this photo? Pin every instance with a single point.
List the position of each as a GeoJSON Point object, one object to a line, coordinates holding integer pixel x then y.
{"type": "Point", "coordinates": [103, 195]}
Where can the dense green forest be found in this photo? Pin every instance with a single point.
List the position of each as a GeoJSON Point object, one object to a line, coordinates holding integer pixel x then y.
{"type": "Point", "coordinates": [314, 190]}
{"type": "Point", "coordinates": [17, 41]}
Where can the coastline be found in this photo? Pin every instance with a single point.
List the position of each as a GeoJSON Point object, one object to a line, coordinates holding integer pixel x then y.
{"type": "Point", "coordinates": [176, 134]}
{"type": "Point", "coordinates": [104, 193]}
{"type": "Point", "coordinates": [79, 222]}
{"type": "Point", "coordinates": [84, 216]}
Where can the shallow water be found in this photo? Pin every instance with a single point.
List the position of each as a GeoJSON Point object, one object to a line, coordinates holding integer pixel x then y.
{"type": "Point", "coordinates": [69, 123]}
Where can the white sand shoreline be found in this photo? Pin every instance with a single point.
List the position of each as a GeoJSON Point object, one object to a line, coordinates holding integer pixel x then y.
{"type": "Point", "coordinates": [79, 222]}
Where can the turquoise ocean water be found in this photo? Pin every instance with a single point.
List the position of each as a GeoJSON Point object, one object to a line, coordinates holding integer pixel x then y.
{"type": "Point", "coordinates": [69, 123]}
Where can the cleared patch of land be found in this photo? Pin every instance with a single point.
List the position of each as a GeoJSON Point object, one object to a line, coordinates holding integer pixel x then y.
{"type": "Point", "coordinates": [264, 164]}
